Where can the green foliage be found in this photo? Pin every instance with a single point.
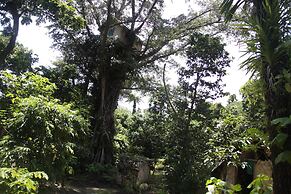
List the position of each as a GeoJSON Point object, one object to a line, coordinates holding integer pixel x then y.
{"type": "Point", "coordinates": [261, 185]}
{"type": "Point", "coordinates": [25, 85]}
{"type": "Point", "coordinates": [124, 121]}
{"type": "Point", "coordinates": [20, 180]}
{"type": "Point", "coordinates": [217, 186]}
{"type": "Point", "coordinates": [280, 140]}
{"type": "Point", "coordinates": [71, 86]}
{"type": "Point", "coordinates": [225, 143]}
{"type": "Point", "coordinates": [64, 13]}
{"type": "Point", "coordinates": [282, 122]}
{"type": "Point", "coordinates": [284, 156]}
{"type": "Point", "coordinates": [241, 127]}
{"type": "Point", "coordinates": [20, 60]}
{"type": "Point", "coordinates": [199, 81]}
{"type": "Point", "coordinates": [184, 165]}
{"type": "Point", "coordinates": [201, 65]}
{"type": "Point", "coordinates": [236, 134]}
{"type": "Point", "coordinates": [44, 131]}
{"type": "Point", "coordinates": [253, 104]}
{"type": "Point", "coordinates": [103, 172]}
{"type": "Point", "coordinates": [254, 139]}
{"type": "Point", "coordinates": [41, 132]}
{"type": "Point", "coordinates": [140, 134]}
{"type": "Point", "coordinates": [14, 13]}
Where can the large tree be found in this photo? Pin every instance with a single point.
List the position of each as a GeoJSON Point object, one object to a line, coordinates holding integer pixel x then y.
{"type": "Point", "coordinates": [121, 38]}
{"type": "Point", "coordinates": [268, 22]}
{"type": "Point", "coordinates": [16, 12]}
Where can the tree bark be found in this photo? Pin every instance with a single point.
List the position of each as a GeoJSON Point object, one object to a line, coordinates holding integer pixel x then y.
{"type": "Point", "coordinates": [109, 87]}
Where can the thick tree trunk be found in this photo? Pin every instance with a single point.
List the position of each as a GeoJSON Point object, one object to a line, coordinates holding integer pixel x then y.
{"type": "Point", "coordinates": [109, 86]}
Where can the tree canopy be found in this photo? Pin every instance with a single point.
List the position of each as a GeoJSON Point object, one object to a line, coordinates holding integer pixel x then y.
{"type": "Point", "coordinates": [64, 122]}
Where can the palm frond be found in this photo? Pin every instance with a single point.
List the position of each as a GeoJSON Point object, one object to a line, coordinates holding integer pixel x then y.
{"type": "Point", "coordinates": [229, 7]}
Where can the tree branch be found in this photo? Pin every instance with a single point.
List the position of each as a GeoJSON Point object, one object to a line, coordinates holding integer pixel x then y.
{"type": "Point", "coordinates": [140, 9]}
{"type": "Point", "coordinates": [82, 12]}
{"type": "Point", "coordinates": [138, 88]}
{"type": "Point", "coordinates": [146, 18]}
{"type": "Point", "coordinates": [95, 14]}
{"type": "Point", "coordinates": [11, 44]}
{"type": "Point", "coordinates": [165, 55]}
{"type": "Point", "coordinates": [132, 14]}
{"type": "Point", "coordinates": [167, 92]}
{"type": "Point", "coordinates": [122, 7]}
{"type": "Point", "coordinates": [148, 41]}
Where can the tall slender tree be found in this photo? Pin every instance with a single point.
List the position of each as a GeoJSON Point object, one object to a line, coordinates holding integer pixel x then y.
{"type": "Point", "coordinates": [199, 81]}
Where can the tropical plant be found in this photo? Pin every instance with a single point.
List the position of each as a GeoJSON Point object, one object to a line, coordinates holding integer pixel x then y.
{"type": "Point", "coordinates": [261, 185]}
{"type": "Point", "coordinates": [267, 23]}
{"type": "Point", "coordinates": [20, 180]}
{"type": "Point", "coordinates": [217, 186]}
{"type": "Point", "coordinates": [40, 133]}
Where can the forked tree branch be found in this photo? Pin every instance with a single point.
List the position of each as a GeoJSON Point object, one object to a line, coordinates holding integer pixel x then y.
{"type": "Point", "coordinates": [146, 18]}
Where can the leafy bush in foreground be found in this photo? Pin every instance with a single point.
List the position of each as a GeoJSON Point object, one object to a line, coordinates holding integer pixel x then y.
{"type": "Point", "coordinates": [20, 180]}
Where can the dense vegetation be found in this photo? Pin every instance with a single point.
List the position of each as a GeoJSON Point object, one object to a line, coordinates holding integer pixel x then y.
{"type": "Point", "coordinates": [63, 122]}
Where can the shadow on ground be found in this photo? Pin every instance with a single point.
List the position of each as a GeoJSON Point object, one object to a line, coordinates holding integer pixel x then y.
{"type": "Point", "coordinates": [80, 186]}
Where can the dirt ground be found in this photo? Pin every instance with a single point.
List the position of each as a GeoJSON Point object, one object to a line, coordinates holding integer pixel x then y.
{"type": "Point", "coordinates": [82, 186]}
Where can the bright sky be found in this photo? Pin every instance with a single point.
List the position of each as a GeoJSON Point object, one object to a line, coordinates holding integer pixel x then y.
{"type": "Point", "coordinates": [36, 38]}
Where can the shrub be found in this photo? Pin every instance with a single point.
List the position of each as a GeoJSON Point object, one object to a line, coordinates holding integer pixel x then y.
{"type": "Point", "coordinates": [217, 186]}
{"type": "Point", "coordinates": [261, 185]}
{"type": "Point", "coordinates": [40, 131]}
{"type": "Point", "coordinates": [105, 172]}
{"type": "Point", "coordinates": [20, 180]}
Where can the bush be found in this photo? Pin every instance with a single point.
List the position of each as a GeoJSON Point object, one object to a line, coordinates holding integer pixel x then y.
{"type": "Point", "coordinates": [20, 180]}
{"type": "Point", "coordinates": [40, 131]}
{"type": "Point", "coordinates": [217, 186]}
{"type": "Point", "coordinates": [105, 172]}
{"type": "Point", "coordinates": [41, 135]}
{"type": "Point", "coordinates": [261, 185]}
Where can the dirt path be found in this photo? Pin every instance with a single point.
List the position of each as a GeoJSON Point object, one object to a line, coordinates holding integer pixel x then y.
{"type": "Point", "coordinates": [80, 186]}
{"type": "Point", "coordinates": [81, 190]}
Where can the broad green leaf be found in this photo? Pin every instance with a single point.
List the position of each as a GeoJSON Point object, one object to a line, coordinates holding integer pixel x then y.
{"type": "Point", "coordinates": [283, 121]}
{"type": "Point", "coordinates": [284, 157]}
{"type": "Point", "coordinates": [236, 187]}
{"type": "Point", "coordinates": [209, 181]}
{"type": "Point", "coordinates": [288, 87]}
{"type": "Point", "coordinates": [280, 140]}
